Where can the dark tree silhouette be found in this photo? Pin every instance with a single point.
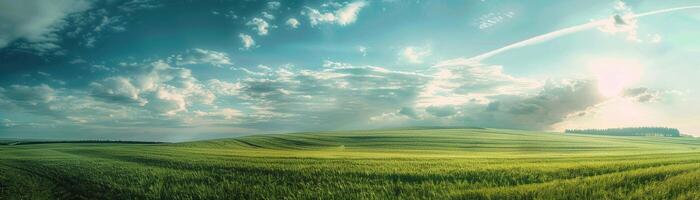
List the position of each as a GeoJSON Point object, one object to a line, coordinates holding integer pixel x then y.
{"type": "Point", "coordinates": [637, 131]}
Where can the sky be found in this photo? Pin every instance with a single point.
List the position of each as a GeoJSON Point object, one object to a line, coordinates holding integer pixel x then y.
{"type": "Point", "coordinates": [191, 70]}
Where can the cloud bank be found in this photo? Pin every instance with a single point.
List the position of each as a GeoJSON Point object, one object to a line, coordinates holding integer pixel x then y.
{"type": "Point", "coordinates": [166, 94]}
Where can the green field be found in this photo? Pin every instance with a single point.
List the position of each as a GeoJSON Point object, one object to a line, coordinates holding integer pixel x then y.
{"type": "Point", "coordinates": [381, 164]}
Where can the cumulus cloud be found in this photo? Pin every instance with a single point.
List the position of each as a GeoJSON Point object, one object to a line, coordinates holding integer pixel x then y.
{"type": "Point", "coordinates": [157, 86]}
{"type": "Point", "coordinates": [118, 89]}
{"type": "Point", "coordinates": [344, 15]}
{"type": "Point", "coordinates": [553, 104]}
{"type": "Point", "coordinates": [259, 25]}
{"type": "Point", "coordinates": [413, 54]}
{"type": "Point", "coordinates": [462, 92]}
{"type": "Point", "coordinates": [292, 22]}
{"type": "Point", "coordinates": [339, 95]}
{"type": "Point", "coordinates": [153, 95]}
{"type": "Point", "coordinates": [203, 56]}
{"type": "Point", "coordinates": [247, 41]}
{"type": "Point", "coordinates": [36, 22]}
{"type": "Point", "coordinates": [167, 101]}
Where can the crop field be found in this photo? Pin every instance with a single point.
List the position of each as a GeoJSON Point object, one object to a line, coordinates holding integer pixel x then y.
{"type": "Point", "coordinates": [379, 164]}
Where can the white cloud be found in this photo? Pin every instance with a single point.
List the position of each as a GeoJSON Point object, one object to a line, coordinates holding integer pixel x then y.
{"type": "Point", "coordinates": [89, 41]}
{"type": "Point", "coordinates": [647, 95]}
{"type": "Point", "coordinates": [157, 86]}
{"type": "Point", "coordinates": [167, 102]}
{"type": "Point", "coordinates": [345, 15]}
{"type": "Point", "coordinates": [77, 61]}
{"type": "Point", "coordinates": [267, 15]}
{"type": "Point", "coordinates": [273, 5]}
{"type": "Point", "coordinates": [203, 56]}
{"type": "Point", "coordinates": [36, 21]}
{"type": "Point", "coordinates": [7, 123]}
{"type": "Point", "coordinates": [491, 19]}
{"type": "Point", "coordinates": [348, 14]}
{"type": "Point", "coordinates": [317, 17]}
{"type": "Point", "coordinates": [463, 92]}
{"type": "Point", "coordinates": [43, 73]}
{"type": "Point", "coordinates": [225, 113]}
{"type": "Point", "coordinates": [247, 41]}
{"type": "Point", "coordinates": [292, 22]}
{"type": "Point", "coordinates": [30, 95]}
{"type": "Point", "coordinates": [362, 50]}
{"type": "Point", "coordinates": [259, 25]}
{"type": "Point", "coordinates": [97, 67]}
{"type": "Point", "coordinates": [615, 24]}
{"type": "Point", "coordinates": [413, 54]}
{"type": "Point", "coordinates": [332, 64]}
{"type": "Point", "coordinates": [118, 89]}
{"type": "Point", "coordinates": [340, 95]}
{"type": "Point", "coordinates": [623, 22]}
{"type": "Point", "coordinates": [224, 88]}
{"type": "Point", "coordinates": [40, 100]}
{"type": "Point", "coordinates": [461, 81]}
{"type": "Point", "coordinates": [554, 103]}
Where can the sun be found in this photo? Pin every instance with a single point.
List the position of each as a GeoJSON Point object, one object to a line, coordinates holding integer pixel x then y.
{"type": "Point", "coordinates": [614, 75]}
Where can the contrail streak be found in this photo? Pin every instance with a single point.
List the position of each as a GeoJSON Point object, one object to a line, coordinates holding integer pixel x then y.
{"type": "Point", "coordinates": [567, 31]}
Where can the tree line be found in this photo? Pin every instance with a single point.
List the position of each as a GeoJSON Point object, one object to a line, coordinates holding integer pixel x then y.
{"type": "Point", "coordinates": [635, 131]}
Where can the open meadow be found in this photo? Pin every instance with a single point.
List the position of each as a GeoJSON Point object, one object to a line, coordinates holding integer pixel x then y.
{"type": "Point", "coordinates": [379, 164]}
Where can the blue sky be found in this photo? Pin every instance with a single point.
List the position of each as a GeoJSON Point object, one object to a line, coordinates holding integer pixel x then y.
{"type": "Point", "coordinates": [185, 70]}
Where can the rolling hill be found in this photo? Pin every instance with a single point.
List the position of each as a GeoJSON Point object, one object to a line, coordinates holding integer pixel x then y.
{"type": "Point", "coordinates": [469, 163]}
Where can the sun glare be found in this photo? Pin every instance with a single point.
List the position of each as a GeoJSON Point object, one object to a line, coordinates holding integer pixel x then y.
{"type": "Point", "coordinates": [615, 74]}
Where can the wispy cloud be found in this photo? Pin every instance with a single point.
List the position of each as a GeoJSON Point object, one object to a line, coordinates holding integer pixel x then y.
{"type": "Point", "coordinates": [203, 56]}
{"type": "Point", "coordinates": [37, 21]}
{"type": "Point", "coordinates": [344, 15]}
{"type": "Point", "coordinates": [491, 19]}
{"type": "Point", "coordinates": [414, 54]}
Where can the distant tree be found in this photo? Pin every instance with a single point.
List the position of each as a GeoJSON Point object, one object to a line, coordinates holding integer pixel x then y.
{"type": "Point", "coordinates": [635, 131]}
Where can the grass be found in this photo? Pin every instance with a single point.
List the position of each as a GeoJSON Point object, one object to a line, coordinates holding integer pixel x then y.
{"type": "Point", "coordinates": [383, 164]}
